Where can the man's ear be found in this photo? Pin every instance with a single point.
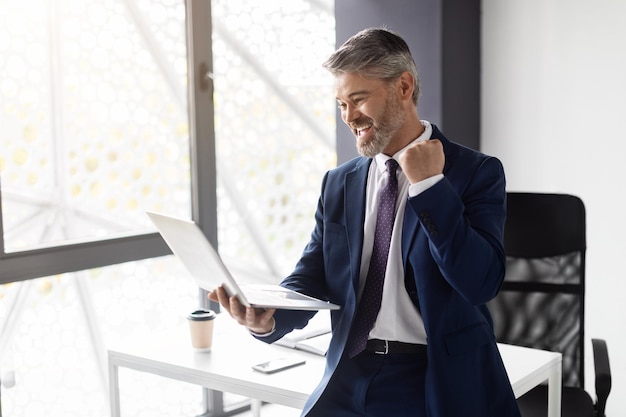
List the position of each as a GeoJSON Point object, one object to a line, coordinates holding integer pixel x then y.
{"type": "Point", "coordinates": [406, 85]}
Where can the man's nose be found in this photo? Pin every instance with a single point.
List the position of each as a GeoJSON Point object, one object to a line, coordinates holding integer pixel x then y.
{"type": "Point", "coordinates": [350, 114]}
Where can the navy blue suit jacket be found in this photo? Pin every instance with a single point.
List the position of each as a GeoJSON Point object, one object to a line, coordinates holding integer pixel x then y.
{"type": "Point", "coordinates": [454, 263]}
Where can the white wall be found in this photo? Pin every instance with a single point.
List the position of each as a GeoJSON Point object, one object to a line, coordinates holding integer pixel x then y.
{"type": "Point", "coordinates": [554, 111]}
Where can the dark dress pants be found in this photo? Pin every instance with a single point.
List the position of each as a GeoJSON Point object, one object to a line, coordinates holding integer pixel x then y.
{"type": "Point", "coordinates": [375, 385]}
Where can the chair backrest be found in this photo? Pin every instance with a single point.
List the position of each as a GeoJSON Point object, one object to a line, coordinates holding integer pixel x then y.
{"type": "Point", "coordinates": [542, 301]}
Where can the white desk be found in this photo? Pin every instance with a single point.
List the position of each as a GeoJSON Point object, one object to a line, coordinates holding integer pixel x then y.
{"type": "Point", "coordinates": [528, 368]}
{"type": "Point", "coordinates": [227, 368]}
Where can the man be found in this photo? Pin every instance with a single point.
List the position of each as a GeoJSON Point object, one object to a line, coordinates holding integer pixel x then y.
{"type": "Point", "coordinates": [430, 350]}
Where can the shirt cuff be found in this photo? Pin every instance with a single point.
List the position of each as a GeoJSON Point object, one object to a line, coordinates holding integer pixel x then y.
{"type": "Point", "coordinates": [264, 334]}
{"type": "Point", "coordinates": [423, 185]}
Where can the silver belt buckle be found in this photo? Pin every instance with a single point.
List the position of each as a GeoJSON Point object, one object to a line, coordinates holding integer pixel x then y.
{"type": "Point", "coordinates": [386, 351]}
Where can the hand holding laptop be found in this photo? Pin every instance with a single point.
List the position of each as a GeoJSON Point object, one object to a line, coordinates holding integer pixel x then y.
{"type": "Point", "coordinates": [205, 265]}
{"type": "Point", "coordinates": [257, 320]}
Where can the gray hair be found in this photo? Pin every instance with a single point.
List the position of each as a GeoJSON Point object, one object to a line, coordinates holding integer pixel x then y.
{"type": "Point", "coordinates": [375, 53]}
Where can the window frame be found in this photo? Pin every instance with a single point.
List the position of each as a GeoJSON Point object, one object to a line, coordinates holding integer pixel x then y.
{"type": "Point", "coordinates": [53, 260]}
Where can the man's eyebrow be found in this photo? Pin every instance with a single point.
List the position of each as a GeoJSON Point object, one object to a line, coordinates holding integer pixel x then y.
{"type": "Point", "coordinates": [356, 93]}
{"type": "Point", "coordinates": [359, 93]}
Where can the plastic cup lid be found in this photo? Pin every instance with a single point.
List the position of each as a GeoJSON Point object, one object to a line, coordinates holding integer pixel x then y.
{"type": "Point", "coordinates": [202, 315]}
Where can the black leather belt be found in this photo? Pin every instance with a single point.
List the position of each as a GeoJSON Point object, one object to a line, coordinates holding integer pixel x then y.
{"type": "Point", "coordinates": [386, 347]}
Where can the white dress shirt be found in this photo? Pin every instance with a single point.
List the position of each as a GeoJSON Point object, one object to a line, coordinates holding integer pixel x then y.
{"type": "Point", "coordinates": [398, 318]}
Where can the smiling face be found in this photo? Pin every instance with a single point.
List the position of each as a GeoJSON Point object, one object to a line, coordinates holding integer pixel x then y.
{"type": "Point", "coordinates": [373, 110]}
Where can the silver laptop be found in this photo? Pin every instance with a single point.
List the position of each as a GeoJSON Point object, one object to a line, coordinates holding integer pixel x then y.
{"type": "Point", "coordinates": [190, 245]}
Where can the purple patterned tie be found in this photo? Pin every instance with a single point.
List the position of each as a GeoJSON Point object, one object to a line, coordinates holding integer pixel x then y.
{"type": "Point", "coordinates": [371, 298]}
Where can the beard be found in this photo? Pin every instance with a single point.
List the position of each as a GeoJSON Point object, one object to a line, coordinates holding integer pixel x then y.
{"type": "Point", "coordinates": [390, 121]}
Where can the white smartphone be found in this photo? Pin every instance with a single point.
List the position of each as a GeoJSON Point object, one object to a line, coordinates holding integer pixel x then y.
{"type": "Point", "coordinates": [278, 364]}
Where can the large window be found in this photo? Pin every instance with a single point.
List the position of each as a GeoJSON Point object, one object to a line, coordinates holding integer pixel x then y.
{"type": "Point", "coordinates": [216, 111]}
{"type": "Point", "coordinates": [94, 110]}
{"type": "Point", "coordinates": [274, 126]}
{"type": "Point", "coordinates": [94, 118]}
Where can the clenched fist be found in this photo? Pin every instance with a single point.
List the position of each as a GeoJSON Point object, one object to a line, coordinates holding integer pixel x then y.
{"type": "Point", "coordinates": [423, 160]}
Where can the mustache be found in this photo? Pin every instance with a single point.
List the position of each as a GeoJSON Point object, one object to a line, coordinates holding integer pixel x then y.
{"type": "Point", "coordinates": [361, 122]}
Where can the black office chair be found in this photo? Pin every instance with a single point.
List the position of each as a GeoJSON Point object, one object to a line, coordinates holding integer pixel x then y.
{"type": "Point", "coordinates": [542, 301]}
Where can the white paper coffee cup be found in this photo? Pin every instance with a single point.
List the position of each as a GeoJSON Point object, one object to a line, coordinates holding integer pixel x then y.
{"type": "Point", "coordinates": [201, 329]}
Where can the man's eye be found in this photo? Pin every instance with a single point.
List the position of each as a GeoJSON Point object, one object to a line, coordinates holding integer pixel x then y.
{"type": "Point", "coordinates": [342, 106]}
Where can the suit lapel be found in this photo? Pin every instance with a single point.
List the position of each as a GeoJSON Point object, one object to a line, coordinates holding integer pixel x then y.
{"type": "Point", "coordinates": [356, 182]}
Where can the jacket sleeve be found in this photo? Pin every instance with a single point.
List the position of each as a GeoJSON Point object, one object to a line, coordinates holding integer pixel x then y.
{"type": "Point", "coordinates": [463, 217]}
